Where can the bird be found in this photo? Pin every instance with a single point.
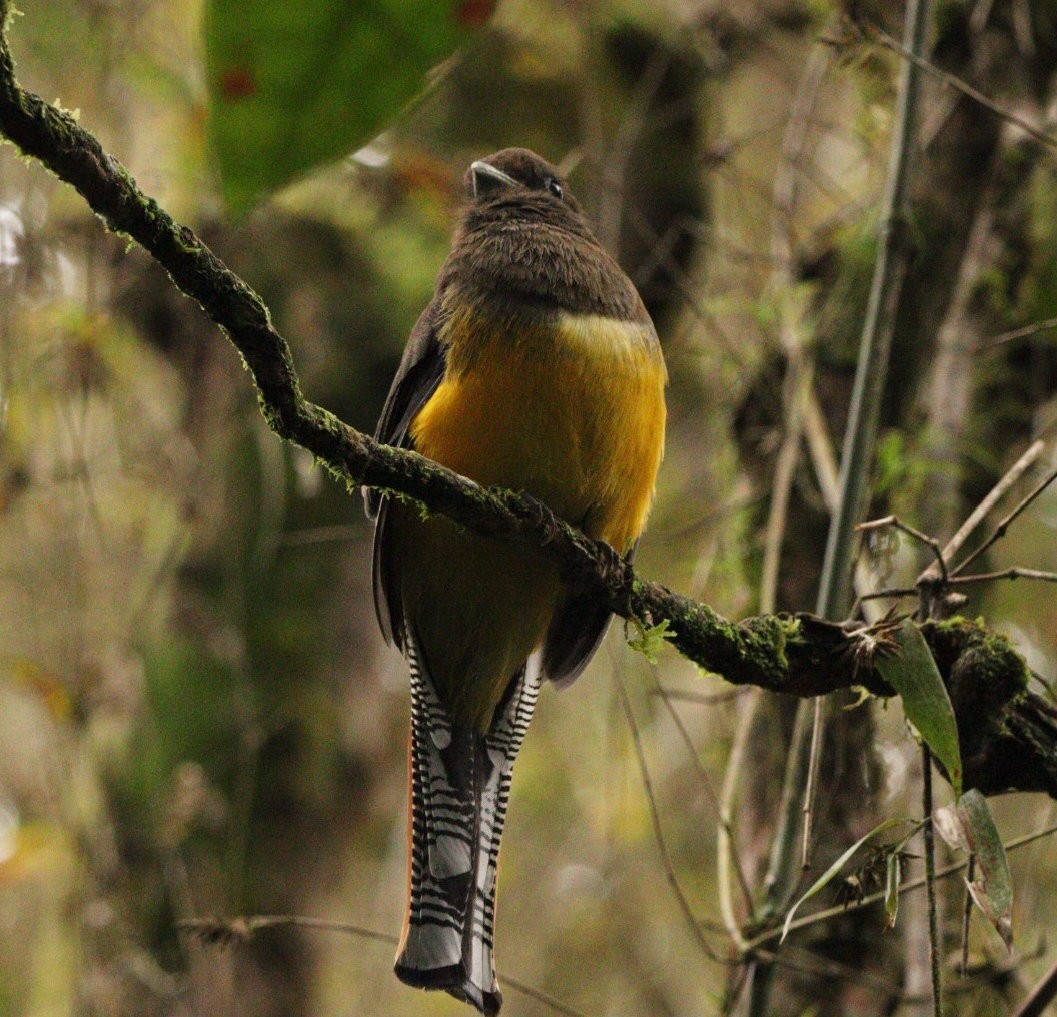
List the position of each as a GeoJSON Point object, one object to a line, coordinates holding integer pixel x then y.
{"type": "Point", "coordinates": [536, 368]}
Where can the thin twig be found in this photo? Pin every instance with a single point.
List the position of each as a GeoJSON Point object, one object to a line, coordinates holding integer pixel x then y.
{"type": "Point", "coordinates": [894, 592]}
{"type": "Point", "coordinates": [800, 371]}
{"type": "Point", "coordinates": [321, 535]}
{"type": "Point", "coordinates": [703, 698]}
{"type": "Point", "coordinates": [706, 783]}
{"type": "Point", "coordinates": [687, 291]}
{"type": "Point", "coordinates": [725, 843]}
{"type": "Point", "coordinates": [1010, 573]}
{"type": "Point", "coordinates": [824, 460]}
{"type": "Point", "coordinates": [829, 969]}
{"type": "Point", "coordinates": [799, 379]}
{"type": "Point", "coordinates": [540, 996]}
{"type": "Point", "coordinates": [959, 84]}
{"type": "Point", "coordinates": [988, 973]}
{"type": "Point", "coordinates": [224, 930]}
{"type": "Point", "coordinates": [977, 516]}
{"type": "Point", "coordinates": [782, 873]}
{"type": "Point", "coordinates": [896, 523]}
{"type": "Point", "coordinates": [929, 841]}
{"type": "Point", "coordinates": [820, 448]}
{"type": "Point", "coordinates": [916, 883]}
{"type": "Point", "coordinates": [1017, 333]}
{"type": "Point", "coordinates": [617, 157]}
{"type": "Point", "coordinates": [814, 762]}
{"type": "Point", "coordinates": [1000, 529]}
{"type": "Point", "coordinates": [967, 914]}
{"type": "Point", "coordinates": [948, 391]}
{"type": "Point", "coordinates": [1015, 572]}
{"type": "Point", "coordinates": [1041, 996]}
{"type": "Point", "coordinates": [658, 829]}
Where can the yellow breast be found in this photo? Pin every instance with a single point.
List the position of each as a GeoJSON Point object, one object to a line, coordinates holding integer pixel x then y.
{"type": "Point", "coordinates": [569, 409]}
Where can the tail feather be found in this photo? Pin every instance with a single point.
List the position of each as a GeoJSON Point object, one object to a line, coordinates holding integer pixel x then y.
{"type": "Point", "coordinates": [460, 786]}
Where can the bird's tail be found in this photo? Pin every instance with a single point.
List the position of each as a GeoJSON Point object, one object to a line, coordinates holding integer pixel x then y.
{"type": "Point", "coordinates": [460, 783]}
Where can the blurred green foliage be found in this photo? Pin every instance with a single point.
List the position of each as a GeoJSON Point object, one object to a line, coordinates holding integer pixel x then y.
{"type": "Point", "coordinates": [295, 85]}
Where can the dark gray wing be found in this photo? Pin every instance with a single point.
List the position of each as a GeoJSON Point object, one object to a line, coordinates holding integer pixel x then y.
{"type": "Point", "coordinates": [420, 372]}
{"type": "Point", "coordinates": [577, 631]}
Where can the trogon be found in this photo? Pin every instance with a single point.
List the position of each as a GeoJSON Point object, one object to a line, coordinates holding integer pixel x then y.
{"type": "Point", "coordinates": [535, 367]}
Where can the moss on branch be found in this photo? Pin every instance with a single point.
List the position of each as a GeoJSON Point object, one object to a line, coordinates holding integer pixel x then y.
{"type": "Point", "coordinates": [1009, 735]}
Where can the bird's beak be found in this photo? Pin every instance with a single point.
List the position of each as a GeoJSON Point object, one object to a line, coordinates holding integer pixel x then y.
{"type": "Point", "coordinates": [485, 177]}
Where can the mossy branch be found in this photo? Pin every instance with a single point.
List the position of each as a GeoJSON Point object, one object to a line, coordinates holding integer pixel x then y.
{"type": "Point", "coordinates": [1013, 744]}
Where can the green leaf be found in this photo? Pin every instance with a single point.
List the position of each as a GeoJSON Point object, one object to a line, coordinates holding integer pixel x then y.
{"type": "Point", "coordinates": [893, 877]}
{"type": "Point", "coordinates": [827, 877]}
{"type": "Point", "coordinates": [913, 674]}
{"type": "Point", "coordinates": [969, 825]}
{"type": "Point", "coordinates": [293, 85]}
{"type": "Point", "coordinates": [862, 696]}
{"type": "Point", "coordinates": [650, 640]}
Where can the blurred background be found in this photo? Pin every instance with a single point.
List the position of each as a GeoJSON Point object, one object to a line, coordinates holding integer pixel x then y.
{"type": "Point", "coordinates": [198, 715]}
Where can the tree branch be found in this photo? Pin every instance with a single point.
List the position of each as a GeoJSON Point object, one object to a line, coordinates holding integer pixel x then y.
{"type": "Point", "coordinates": [1013, 745]}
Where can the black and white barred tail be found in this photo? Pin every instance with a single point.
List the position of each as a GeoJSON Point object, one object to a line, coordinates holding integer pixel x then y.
{"type": "Point", "coordinates": [459, 788]}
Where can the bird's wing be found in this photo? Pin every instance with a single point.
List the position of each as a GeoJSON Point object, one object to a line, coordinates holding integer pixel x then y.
{"type": "Point", "coordinates": [575, 634]}
{"type": "Point", "coordinates": [420, 372]}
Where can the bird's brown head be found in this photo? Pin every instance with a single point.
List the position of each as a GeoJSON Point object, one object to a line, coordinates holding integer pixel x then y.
{"type": "Point", "coordinates": [524, 238]}
{"type": "Point", "coordinates": [514, 173]}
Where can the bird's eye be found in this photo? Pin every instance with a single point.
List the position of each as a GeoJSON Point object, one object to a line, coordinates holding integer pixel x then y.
{"type": "Point", "coordinates": [555, 188]}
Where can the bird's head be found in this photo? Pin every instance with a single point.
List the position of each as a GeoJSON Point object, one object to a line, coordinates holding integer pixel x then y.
{"type": "Point", "coordinates": [516, 173]}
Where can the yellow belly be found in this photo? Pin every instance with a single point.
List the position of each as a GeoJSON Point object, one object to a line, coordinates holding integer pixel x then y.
{"type": "Point", "coordinates": [571, 413]}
